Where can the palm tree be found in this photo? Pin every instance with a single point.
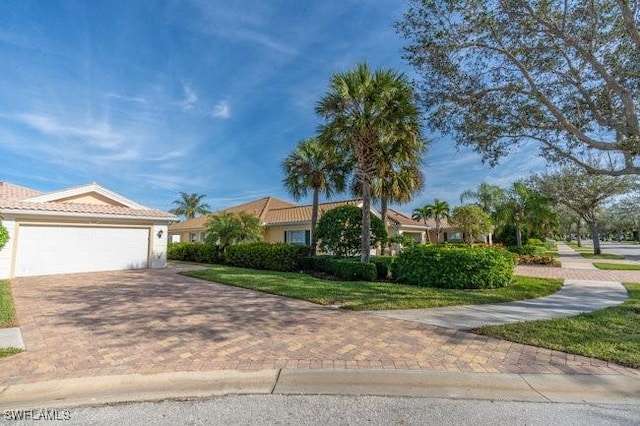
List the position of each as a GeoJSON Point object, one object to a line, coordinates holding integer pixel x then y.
{"type": "Point", "coordinates": [488, 197]}
{"type": "Point", "coordinates": [190, 205]}
{"type": "Point", "coordinates": [439, 210]}
{"type": "Point", "coordinates": [424, 214]}
{"type": "Point", "coordinates": [365, 112]}
{"type": "Point", "coordinates": [226, 229]}
{"type": "Point", "coordinates": [311, 167]}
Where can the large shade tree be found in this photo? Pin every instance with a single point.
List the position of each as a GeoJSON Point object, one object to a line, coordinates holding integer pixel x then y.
{"type": "Point", "coordinates": [583, 193]}
{"type": "Point", "coordinates": [364, 113]}
{"type": "Point", "coordinates": [190, 205]}
{"type": "Point", "coordinates": [562, 74]}
{"type": "Point", "coordinates": [313, 168]}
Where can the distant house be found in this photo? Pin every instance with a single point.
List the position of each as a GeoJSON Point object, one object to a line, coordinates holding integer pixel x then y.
{"type": "Point", "coordinates": [286, 222]}
{"type": "Point", "coordinates": [86, 228]}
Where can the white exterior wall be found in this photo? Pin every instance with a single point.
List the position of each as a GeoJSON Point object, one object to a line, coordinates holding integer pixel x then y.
{"type": "Point", "coordinates": [7, 252]}
{"type": "Point", "coordinates": [159, 246]}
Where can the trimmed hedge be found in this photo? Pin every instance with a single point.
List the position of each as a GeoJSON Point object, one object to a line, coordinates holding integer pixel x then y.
{"type": "Point", "coordinates": [529, 250]}
{"type": "Point", "coordinates": [455, 267]}
{"type": "Point", "coordinates": [272, 257]}
{"type": "Point", "coordinates": [194, 252]}
{"type": "Point", "coordinates": [346, 269]}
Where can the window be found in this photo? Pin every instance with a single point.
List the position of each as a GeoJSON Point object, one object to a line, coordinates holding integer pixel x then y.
{"type": "Point", "coordinates": [301, 237]}
{"type": "Point", "coordinates": [193, 237]}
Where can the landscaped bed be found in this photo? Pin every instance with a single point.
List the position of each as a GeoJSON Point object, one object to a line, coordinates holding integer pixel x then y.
{"type": "Point", "coordinates": [361, 295]}
{"type": "Point", "coordinates": [7, 315]}
{"type": "Point", "coordinates": [611, 334]}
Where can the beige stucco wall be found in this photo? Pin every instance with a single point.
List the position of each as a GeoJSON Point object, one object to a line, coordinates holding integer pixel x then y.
{"type": "Point", "coordinates": [275, 234]}
{"type": "Point", "coordinates": [90, 198]}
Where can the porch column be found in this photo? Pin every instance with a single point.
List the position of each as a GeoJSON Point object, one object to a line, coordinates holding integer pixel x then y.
{"type": "Point", "coordinates": [423, 237]}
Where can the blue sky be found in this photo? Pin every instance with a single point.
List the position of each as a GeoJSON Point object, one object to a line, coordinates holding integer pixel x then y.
{"type": "Point", "coordinates": [149, 98]}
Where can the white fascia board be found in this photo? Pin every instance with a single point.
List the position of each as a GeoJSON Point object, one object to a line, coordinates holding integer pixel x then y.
{"type": "Point", "coordinates": [85, 189]}
{"type": "Point", "coordinates": [85, 215]}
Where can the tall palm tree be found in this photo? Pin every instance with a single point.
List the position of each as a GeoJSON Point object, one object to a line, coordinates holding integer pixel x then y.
{"type": "Point", "coordinates": [364, 113]}
{"type": "Point", "coordinates": [488, 197]}
{"type": "Point", "coordinates": [190, 205]}
{"type": "Point", "coordinates": [312, 167]}
{"type": "Point", "coordinates": [424, 214]}
{"type": "Point", "coordinates": [439, 210]}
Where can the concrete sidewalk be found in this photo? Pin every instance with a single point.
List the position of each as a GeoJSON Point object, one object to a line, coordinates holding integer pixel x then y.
{"type": "Point", "coordinates": [93, 391]}
{"type": "Point", "coordinates": [571, 259]}
{"type": "Point", "coordinates": [575, 297]}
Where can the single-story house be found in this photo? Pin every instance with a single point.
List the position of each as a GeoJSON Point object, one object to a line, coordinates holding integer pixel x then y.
{"type": "Point", "coordinates": [86, 228]}
{"type": "Point", "coordinates": [286, 222]}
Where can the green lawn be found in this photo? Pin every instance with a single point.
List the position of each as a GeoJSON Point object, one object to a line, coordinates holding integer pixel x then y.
{"type": "Point", "coordinates": [587, 253]}
{"type": "Point", "coordinates": [611, 334]}
{"type": "Point", "coordinates": [357, 295]}
{"type": "Point", "coordinates": [7, 312]}
{"type": "Point", "coordinates": [4, 352]}
{"type": "Point", "coordinates": [617, 266]}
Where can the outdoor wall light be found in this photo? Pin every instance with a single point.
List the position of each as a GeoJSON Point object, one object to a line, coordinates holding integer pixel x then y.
{"type": "Point", "coordinates": [159, 234]}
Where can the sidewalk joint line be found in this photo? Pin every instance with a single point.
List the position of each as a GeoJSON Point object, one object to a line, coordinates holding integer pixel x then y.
{"type": "Point", "coordinates": [275, 383]}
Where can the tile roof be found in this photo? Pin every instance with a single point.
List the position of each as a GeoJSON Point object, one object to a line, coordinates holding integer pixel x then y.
{"type": "Point", "coordinates": [12, 198]}
{"type": "Point", "coordinates": [403, 219]}
{"type": "Point", "coordinates": [295, 214]}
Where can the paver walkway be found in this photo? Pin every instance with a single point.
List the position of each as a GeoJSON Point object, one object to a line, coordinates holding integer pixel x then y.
{"type": "Point", "coordinates": [576, 296]}
{"type": "Point", "coordinates": [142, 322]}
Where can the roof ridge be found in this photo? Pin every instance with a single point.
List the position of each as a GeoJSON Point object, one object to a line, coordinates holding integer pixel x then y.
{"type": "Point", "coordinates": [319, 204]}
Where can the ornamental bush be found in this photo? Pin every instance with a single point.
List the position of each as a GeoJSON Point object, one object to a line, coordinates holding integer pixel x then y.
{"type": "Point", "coordinates": [194, 252]}
{"type": "Point", "coordinates": [530, 250]}
{"type": "Point", "coordinates": [455, 267]}
{"type": "Point", "coordinates": [339, 231]}
{"type": "Point", "coordinates": [383, 266]}
{"type": "Point", "coordinates": [4, 236]}
{"type": "Point", "coordinates": [272, 257]}
{"type": "Point", "coordinates": [343, 268]}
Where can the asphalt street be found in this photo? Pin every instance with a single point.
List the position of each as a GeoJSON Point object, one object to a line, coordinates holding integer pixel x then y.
{"type": "Point", "coordinates": [348, 410]}
{"type": "Point", "coordinates": [629, 251]}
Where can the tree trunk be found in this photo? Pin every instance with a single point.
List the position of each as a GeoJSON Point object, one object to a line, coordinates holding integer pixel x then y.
{"type": "Point", "coordinates": [314, 221]}
{"type": "Point", "coordinates": [578, 233]}
{"type": "Point", "coordinates": [366, 221]}
{"type": "Point", "coordinates": [383, 215]}
{"type": "Point", "coordinates": [595, 237]}
{"type": "Point", "coordinates": [437, 230]}
{"type": "Point", "coordinates": [518, 235]}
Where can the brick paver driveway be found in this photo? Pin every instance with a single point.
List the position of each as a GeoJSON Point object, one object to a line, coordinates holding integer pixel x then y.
{"type": "Point", "coordinates": [156, 321]}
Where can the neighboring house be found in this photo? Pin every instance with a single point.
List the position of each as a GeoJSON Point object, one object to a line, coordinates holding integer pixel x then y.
{"type": "Point", "coordinates": [286, 222]}
{"type": "Point", "coordinates": [81, 229]}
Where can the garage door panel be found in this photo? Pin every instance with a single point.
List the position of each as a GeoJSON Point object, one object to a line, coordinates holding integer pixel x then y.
{"type": "Point", "coordinates": [44, 250]}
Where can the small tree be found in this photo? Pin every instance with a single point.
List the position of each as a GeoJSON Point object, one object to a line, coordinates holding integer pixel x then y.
{"type": "Point", "coordinates": [472, 221]}
{"type": "Point", "coordinates": [226, 229]}
{"type": "Point", "coordinates": [339, 231]}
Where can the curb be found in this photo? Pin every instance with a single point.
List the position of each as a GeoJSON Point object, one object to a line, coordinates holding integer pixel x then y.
{"type": "Point", "coordinates": [91, 391]}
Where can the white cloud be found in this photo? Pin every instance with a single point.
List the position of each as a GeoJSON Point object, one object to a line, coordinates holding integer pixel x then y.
{"type": "Point", "coordinates": [221, 110]}
{"type": "Point", "coordinates": [133, 99]}
{"type": "Point", "coordinates": [190, 98]}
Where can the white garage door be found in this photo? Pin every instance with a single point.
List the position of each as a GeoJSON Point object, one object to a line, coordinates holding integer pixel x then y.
{"type": "Point", "coordinates": [44, 250]}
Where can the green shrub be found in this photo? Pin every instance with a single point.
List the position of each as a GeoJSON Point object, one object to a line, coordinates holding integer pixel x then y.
{"type": "Point", "coordinates": [272, 257]}
{"type": "Point", "coordinates": [194, 252]}
{"type": "Point", "coordinates": [535, 242]}
{"type": "Point", "coordinates": [457, 267]}
{"type": "Point", "coordinates": [339, 231]}
{"type": "Point", "coordinates": [507, 235]}
{"type": "Point", "coordinates": [528, 250]}
{"type": "Point", "coordinates": [344, 268]}
{"type": "Point", "coordinates": [4, 236]}
{"type": "Point", "coordinates": [527, 259]}
{"type": "Point", "coordinates": [383, 266]}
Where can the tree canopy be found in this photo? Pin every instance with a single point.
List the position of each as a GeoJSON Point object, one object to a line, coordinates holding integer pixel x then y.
{"type": "Point", "coordinates": [367, 112]}
{"type": "Point", "coordinates": [190, 205]}
{"type": "Point", "coordinates": [312, 167]}
{"type": "Point", "coordinates": [226, 229]}
{"type": "Point", "coordinates": [339, 231]}
{"type": "Point", "coordinates": [472, 221]}
{"type": "Point", "coordinates": [563, 74]}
